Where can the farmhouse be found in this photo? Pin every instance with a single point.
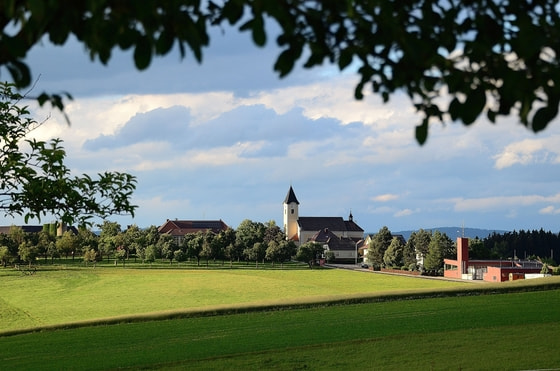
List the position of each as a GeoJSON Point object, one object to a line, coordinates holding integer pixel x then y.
{"type": "Point", "coordinates": [338, 235]}
{"type": "Point", "coordinates": [179, 228]}
{"type": "Point", "coordinates": [488, 270]}
{"type": "Point", "coordinates": [344, 249]}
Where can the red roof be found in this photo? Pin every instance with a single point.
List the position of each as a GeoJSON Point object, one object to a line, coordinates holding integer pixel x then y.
{"type": "Point", "coordinates": [182, 227]}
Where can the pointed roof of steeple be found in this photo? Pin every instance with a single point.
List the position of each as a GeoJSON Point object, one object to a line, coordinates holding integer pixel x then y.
{"type": "Point", "coordinates": [291, 197]}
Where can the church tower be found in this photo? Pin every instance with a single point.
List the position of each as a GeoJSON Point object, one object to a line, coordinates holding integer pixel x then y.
{"type": "Point", "coordinates": [291, 214]}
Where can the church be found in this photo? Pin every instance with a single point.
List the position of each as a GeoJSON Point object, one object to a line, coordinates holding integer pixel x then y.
{"type": "Point", "coordinates": [344, 234]}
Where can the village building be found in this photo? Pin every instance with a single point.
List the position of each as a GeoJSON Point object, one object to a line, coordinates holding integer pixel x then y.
{"type": "Point", "coordinates": [488, 270]}
{"type": "Point", "coordinates": [179, 228]}
{"type": "Point", "coordinates": [340, 236]}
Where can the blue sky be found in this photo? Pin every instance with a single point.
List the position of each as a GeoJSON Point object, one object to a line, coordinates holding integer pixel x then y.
{"type": "Point", "coordinates": [225, 139]}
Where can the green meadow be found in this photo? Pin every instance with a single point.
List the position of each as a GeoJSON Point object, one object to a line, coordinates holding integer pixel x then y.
{"type": "Point", "coordinates": [77, 294]}
{"type": "Point", "coordinates": [324, 319]}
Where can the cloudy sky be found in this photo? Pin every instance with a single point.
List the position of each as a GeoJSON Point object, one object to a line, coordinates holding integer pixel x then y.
{"type": "Point", "coordinates": [226, 139]}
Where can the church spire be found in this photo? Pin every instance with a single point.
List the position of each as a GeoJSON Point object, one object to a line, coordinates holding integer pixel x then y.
{"type": "Point", "coordinates": [291, 197]}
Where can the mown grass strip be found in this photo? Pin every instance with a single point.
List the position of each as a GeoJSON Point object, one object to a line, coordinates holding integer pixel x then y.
{"type": "Point", "coordinates": [446, 326]}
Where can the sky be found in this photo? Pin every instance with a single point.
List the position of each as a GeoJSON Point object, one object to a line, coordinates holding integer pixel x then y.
{"type": "Point", "coordinates": [226, 139]}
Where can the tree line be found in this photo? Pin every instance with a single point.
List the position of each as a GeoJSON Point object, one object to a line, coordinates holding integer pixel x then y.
{"type": "Point", "coordinates": [259, 243]}
{"type": "Point", "coordinates": [426, 250]}
{"type": "Point", "coordinates": [251, 242]}
{"type": "Point", "coordinates": [522, 244]}
{"type": "Point", "coordinates": [388, 251]}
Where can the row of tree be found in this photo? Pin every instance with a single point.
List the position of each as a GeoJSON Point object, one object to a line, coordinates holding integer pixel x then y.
{"type": "Point", "coordinates": [251, 241]}
{"type": "Point", "coordinates": [518, 244]}
{"type": "Point", "coordinates": [388, 251]}
{"type": "Point", "coordinates": [432, 247]}
{"type": "Point", "coordinates": [260, 242]}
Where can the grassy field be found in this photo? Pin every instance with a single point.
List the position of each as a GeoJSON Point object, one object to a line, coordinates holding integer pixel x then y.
{"type": "Point", "coordinates": [70, 295]}
{"type": "Point", "coordinates": [513, 331]}
{"type": "Point", "coordinates": [156, 320]}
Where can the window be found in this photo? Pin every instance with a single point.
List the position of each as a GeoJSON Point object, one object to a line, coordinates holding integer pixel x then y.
{"type": "Point", "coordinates": [292, 211]}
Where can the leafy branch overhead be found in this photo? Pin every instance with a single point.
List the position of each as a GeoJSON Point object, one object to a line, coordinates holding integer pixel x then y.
{"type": "Point", "coordinates": [455, 59]}
{"type": "Point", "coordinates": [35, 182]}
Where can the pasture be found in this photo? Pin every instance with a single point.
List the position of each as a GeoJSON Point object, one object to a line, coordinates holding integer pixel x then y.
{"type": "Point", "coordinates": [501, 331]}
{"type": "Point", "coordinates": [76, 294]}
{"type": "Point", "coordinates": [272, 319]}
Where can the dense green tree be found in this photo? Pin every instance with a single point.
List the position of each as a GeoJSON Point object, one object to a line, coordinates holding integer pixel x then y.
{"type": "Point", "coordinates": [5, 256]}
{"type": "Point", "coordinates": [108, 242]}
{"type": "Point", "coordinates": [226, 245]}
{"type": "Point", "coordinates": [378, 245]}
{"type": "Point", "coordinates": [256, 253]}
{"type": "Point", "coordinates": [309, 252]}
{"type": "Point", "coordinates": [248, 233]}
{"type": "Point", "coordinates": [524, 244]}
{"type": "Point", "coordinates": [179, 256]}
{"type": "Point", "coordinates": [483, 57]}
{"type": "Point", "coordinates": [393, 256]}
{"type": "Point", "coordinates": [16, 235]}
{"type": "Point", "coordinates": [420, 240]}
{"type": "Point", "coordinates": [272, 232]}
{"type": "Point", "coordinates": [166, 245]}
{"type": "Point", "coordinates": [67, 244]}
{"type": "Point", "coordinates": [121, 255]}
{"type": "Point", "coordinates": [151, 253]}
{"type": "Point", "coordinates": [208, 246]}
{"type": "Point", "coordinates": [35, 182]}
{"type": "Point", "coordinates": [7, 242]}
{"type": "Point", "coordinates": [90, 256]}
{"type": "Point", "coordinates": [133, 238]}
{"type": "Point", "coordinates": [87, 240]}
{"type": "Point", "coordinates": [44, 244]}
{"type": "Point", "coordinates": [409, 256]}
{"type": "Point", "coordinates": [440, 247]}
{"type": "Point", "coordinates": [28, 252]}
{"type": "Point", "coordinates": [195, 243]}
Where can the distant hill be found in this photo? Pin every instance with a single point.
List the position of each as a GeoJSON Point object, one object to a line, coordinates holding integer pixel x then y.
{"type": "Point", "coordinates": [454, 232]}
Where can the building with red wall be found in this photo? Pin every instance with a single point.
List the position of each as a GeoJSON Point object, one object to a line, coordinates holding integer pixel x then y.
{"type": "Point", "coordinates": [487, 270]}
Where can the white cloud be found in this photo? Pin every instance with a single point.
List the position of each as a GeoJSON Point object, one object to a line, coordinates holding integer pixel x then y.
{"type": "Point", "coordinates": [485, 204]}
{"type": "Point", "coordinates": [404, 212]}
{"type": "Point", "coordinates": [529, 151]}
{"type": "Point", "coordinates": [550, 210]}
{"type": "Point", "coordinates": [385, 197]}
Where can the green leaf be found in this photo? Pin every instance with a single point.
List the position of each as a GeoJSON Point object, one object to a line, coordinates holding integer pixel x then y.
{"type": "Point", "coordinates": [285, 62]}
{"type": "Point", "coordinates": [476, 100]}
{"type": "Point", "coordinates": [20, 73]}
{"type": "Point", "coordinates": [542, 118]}
{"type": "Point", "coordinates": [142, 53]}
{"type": "Point", "coordinates": [491, 116]}
{"type": "Point", "coordinates": [345, 58]}
{"type": "Point", "coordinates": [455, 109]}
{"type": "Point", "coordinates": [422, 132]}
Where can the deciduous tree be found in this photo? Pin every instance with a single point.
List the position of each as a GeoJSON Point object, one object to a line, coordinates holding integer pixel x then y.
{"type": "Point", "coordinates": [67, 244]}
{"type": "Point", "coordinates": [35, 181]}
{"type": "Point", "coordinates": [309, 252]}
{"type": "Point", "coordinates": [482, 57]}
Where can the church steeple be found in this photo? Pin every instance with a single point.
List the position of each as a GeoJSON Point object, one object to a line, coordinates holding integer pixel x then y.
{"type": "Point", "coordinates": [291, 197]}
{"type": "Point", "coordinates": [291, 215]}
